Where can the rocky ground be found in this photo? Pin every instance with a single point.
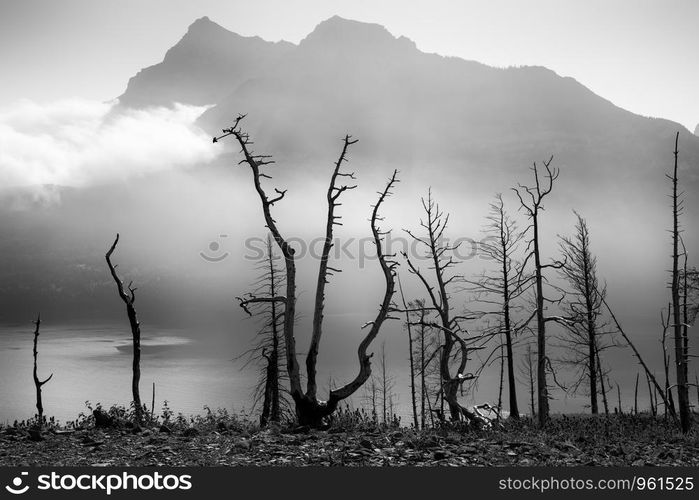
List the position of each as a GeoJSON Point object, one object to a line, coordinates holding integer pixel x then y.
{"type": "Point", "coordinates": [616, 441]}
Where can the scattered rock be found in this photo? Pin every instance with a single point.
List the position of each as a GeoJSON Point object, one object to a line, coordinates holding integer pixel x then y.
{"type": "Point", "coordinates": [35, 435]}
{"type": "Point", "coordinates": [190, 432]}
{"type": "Point", "coordinates": [102, 419]}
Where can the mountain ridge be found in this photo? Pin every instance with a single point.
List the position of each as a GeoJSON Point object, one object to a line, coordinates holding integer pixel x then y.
{"type": "Point", "coordinates": [406, 105]}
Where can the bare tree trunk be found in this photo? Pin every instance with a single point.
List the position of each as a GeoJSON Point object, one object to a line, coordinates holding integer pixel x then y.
{"type": "Point", "coordinates": [129, 299]}
{"type": "Point", "coordinates": [603, 388]}
{"type": "Point", "coordinates": [413, 398]}
{"type": "Point", "coordinates": [635, 396]}
{"type": "Point", "coordinates": [423, 367]}
{"type": "Point", "coordinates": [530, 365]}
{"type": "Point", "coordinates": [384, 383]}
{"type": "Point", "coordinates": [680, 351]}
{"type": "Point", "coordinates": [38, 384]}
{"type": "Point", "coordinates": [666, 361]}
{"type": "Point", "coordinates": [309, 409]}
{"type": "Point", "coordinates": [502, 376]}
{"type": "Point", "coordinates": [618, 395]}
{"type": "Point", "coordinates": [653, 406]}
{"type": "Point", "coordinates": [533, 207]}
{"type": "Point", "coordinates": [640, 359]}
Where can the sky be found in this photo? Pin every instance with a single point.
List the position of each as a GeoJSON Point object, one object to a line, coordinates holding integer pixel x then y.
{"type": "Point", "coordinates": [639, 54]}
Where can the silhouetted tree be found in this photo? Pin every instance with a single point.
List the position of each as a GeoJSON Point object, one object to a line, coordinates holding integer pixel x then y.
{"type": "Point", "coordinates": [532, 206]}
{"type": "Point", "coordinates": [386, 385]}
{"type": "Point", "coordinates": [526, 370]}
{"type": "Point", "coordinates": [665, 322]}
{"type": "Point", "coordinates": [440, 255]}
{"type": "Point", "coordinates": [502, 286]}
{"type": "Point", "coordinates": [602, 375]}
{"type": "Point", "coordinates": [637, 354]}
{"type": "Point", "coordinates": [309, 409]}
{"type": "Point", "coordinates": [681, 342]}
{"type": "Point", "coordinates": [129, 299]}
{"type": "Point", "coordinates": [408, 327]}
{"type": "Point", "coordinates": [427, 355]}
{"type": "Point", "coordinates": [268, 349]}
{"type": "Point", "coordinates": [583, 309]}
{"type": "Point", "coordinates": [38, 384]}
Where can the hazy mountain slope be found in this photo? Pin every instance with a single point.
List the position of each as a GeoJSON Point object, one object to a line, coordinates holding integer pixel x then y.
{"type": "Point", "coordinates": [409, 107]}
{"type": "Point", "coordinates": [202, 67]}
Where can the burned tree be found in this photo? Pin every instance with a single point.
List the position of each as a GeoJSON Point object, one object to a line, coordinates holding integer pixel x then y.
{"type": "Point", "coordinates": [526, 369]}
{"type": "Point", "coordinates": [681, 344]}
{"type": "Point", "coordinates": [386, 387]}
{"type": "Point", "coordinates": [532, 206]}
{"type": "Point", "coordinates": [426, 354]}
{"type": "Point", "coordinates": [502, 286]}
{"type": "Point", "coordinates": [129, 299]}
{"type": "Point", "coordinates": [637, 354]}
{"type": "Point", "coordinates": [583, 306]}
{"type": "Point", "coordinates": [411, 351]}
{"type": "Point", "coordinates": [665, 322]}
{"type": "Point", "coordinates": [440, 255]}
{"type": "Point", "coordinates": [38, 384]}
{"type": "Point", "coordinates": [309, 409]}
{"type": "Point", "coordinates": [268, 350]}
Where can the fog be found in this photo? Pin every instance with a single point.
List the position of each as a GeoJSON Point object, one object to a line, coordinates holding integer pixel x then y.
{"type": "Point", "coordinates": [74, 173]}
{"type": "Point", "coordinates": [53, 257]}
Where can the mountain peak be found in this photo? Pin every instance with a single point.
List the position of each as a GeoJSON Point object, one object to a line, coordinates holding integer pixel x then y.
{"type": "Point", "coordinates": [204, 25]}
{"type": "Point", "coordinates": [339, 32]}
{"type": "Point", "coordinates": [696, 130]}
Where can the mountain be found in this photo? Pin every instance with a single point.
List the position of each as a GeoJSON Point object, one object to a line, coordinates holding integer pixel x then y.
{"type": "Point", "coordinates": [696, 130]}
{"type": "Point", "coordinates": [202, 67]}
{"type": "Point", "coordinates": [406, 106]}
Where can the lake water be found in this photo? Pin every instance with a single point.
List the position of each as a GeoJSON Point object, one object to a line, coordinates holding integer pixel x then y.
{"type": "Point", "coordinates": [94, 364]}
{"type": "Point", "coordinates": [190, 368]}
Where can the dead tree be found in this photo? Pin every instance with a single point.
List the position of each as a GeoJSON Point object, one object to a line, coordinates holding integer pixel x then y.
{"type": "Point", "coordinates": [583, 308]}
{"type": "Point", "coordinates": [635, 395]}
{"type": "Point", "coordinates": [370, 397]}
{"type": "Point", "coordinates": [386, 387]}
{"type": "Point", "coordinates": [129, 299]}
{"type": "Point", "coordinates": [440, 256]}
{"type": "Point", "coordinates": [618, 396]}
{"type": "Point", "coordinates": [309, 409]}
{"type": "Point", "coordinates": [427, 353]}
{"type": "Point", "coordinates": [501, 287]}
{"type": "Point", "coordinates": [665, 322]}
{"type": "Point", "coordinates": [526, 370]}
{"type": "Point", "coordinates": [270, 389]}
{"type": "Point", "coordinates": [681, 351]}
{"type": "Point", "coordinates": [637, 354]}
{"type": "Point", "coordinates": [602, 374]}
{"type": "Point", "coordinates": [531, 201]}
{"type": "Point", "coordinates": [38, 384]}
{"type": "Point", "coordinates": [408, 326]}
{"type": "Point", "coordinates": [653, 402]}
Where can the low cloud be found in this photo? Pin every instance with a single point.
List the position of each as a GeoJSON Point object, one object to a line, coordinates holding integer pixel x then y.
{"type": "Point", "coordinates": [80, 142]}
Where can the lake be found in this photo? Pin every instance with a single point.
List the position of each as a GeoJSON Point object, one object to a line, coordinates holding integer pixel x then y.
{"type": "Point", "coordinates": [94, 364]}
{"type": "Point", "coordinates": [190, 368]}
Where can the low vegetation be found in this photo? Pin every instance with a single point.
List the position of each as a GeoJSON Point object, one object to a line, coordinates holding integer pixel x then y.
{"type": "Point", "coordinates": [355, 438]}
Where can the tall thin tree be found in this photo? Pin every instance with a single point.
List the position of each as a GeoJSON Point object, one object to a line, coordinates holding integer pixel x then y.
{"type": "Point", "coordinates": [531, 201]}
{"type": "Point", "coordinates": [268, 349]}
{"type": "Point", "coordinates": [583, 307]}
{"type": "Point", "coordinates": [310, 410]}
{"type": "Point", "coordinates": [129, 298]}
{"type": "Point", "coordinates": [440, 255]}
{"type": "Point", "coordinates": [501, 287]}
{"type": "Point", "coordinates": [38, 384]}
{"type": "Point", "coordinates": [681, 354]}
